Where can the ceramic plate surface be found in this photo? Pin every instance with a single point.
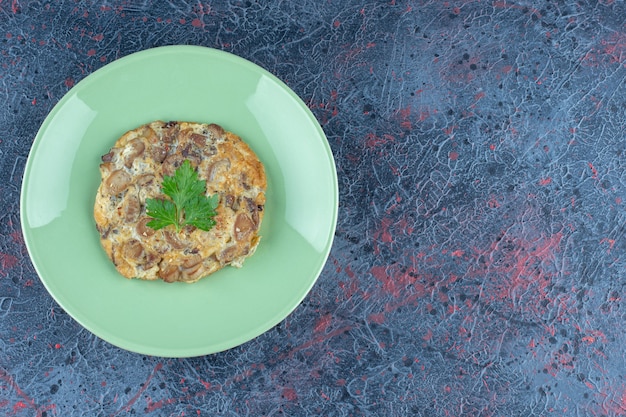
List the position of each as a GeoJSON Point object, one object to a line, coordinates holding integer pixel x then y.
{"type": "Point", "coordinates": [232, 306]}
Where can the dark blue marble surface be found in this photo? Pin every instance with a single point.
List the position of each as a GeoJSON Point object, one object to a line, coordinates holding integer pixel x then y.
{"type": "Point", "coordinates": [478, 267]}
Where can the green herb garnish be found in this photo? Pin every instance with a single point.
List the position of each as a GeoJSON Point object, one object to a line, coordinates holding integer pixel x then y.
{"type": "Point", "coordinates": [188, 203]}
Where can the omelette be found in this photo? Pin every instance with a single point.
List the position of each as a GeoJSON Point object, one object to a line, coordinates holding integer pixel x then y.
{"type": "Point", "coordinates": [133, 171]}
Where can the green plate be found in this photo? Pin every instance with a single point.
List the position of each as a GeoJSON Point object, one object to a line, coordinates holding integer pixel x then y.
{"type": "Point", "coordinates": [232, 306]}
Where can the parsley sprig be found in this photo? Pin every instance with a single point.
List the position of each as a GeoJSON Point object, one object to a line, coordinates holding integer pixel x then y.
{"type": "Point", "coordinates": [187, 203]}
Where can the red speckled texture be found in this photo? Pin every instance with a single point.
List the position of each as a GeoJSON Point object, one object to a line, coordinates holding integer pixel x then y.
{"type": "Point", "coordinates": [478, 265]}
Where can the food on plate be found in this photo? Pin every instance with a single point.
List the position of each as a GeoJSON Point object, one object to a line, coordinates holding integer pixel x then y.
{"type": "Point", "coordinates": [179, 201]}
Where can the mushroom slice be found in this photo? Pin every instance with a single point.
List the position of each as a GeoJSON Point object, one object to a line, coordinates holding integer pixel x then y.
{"type": "Point", "coordinates": [134, 149]}
{"type": "Point", "coordinates": [229, 201]}
{"type": "Point", "coordinates": [193, 269]}
{"type": "Point", "coordinates": [117, 182]}
{"type": "Point", "coordinates": [151, 260]}
{"type": "Point", "coordinates": [133, 251]}
{"type": "Point", "coordinates": [173, 240]}
{"type": "Point", "coordinates": [169, 273]}
{"type": "Point", "coordinates": [215, 167]}
{"type": "Point", "coordinates": [174, 161]}
{"type": "Point", "coordinates": [108, 157]}
{"type": "Point", "coordinates": [216, 131]}
{"type": "Point", "coordinates": [131, 208]}
{"type": "Point", "coordinates": [198, 139]}
{"type": "Point", "coordinates": [158, 153]}
{"type": "Point", "coordinates": [143, 229]}
{"type": "Point", "coordinates": [243, 226]}
{"type": "Point", "coordinates": [227, 254]}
